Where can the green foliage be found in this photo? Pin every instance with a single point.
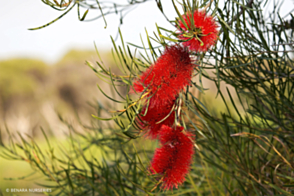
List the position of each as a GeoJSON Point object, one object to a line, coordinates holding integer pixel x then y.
{"type": "Point", "coordinates": [245, 150]}
{"type": "Point", "coordinates": [97, 160]}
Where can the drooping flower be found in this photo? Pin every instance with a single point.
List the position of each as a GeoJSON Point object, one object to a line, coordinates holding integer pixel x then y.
{"type": "Point", "coordinates": [170, 74]}
{"type": "Point", "coordinates": [162, 82]}
{"type": "Point", "coordinates": [201, 33]}
{"type": "Point", "coordinates": [174, 157]}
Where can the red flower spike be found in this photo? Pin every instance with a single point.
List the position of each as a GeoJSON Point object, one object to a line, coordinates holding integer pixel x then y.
{"type": "Point", "coordinates": [200, 36]}
{"type": "Point", "coordinates": [173, 159]}
{"type": "Point", "coordinates": [170, 74]}
{"type": "Point", "coordinates": [155, 118]}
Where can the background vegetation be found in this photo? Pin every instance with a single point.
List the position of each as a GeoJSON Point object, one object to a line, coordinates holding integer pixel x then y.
{"type": "Point", "coordinates": [244, 139]}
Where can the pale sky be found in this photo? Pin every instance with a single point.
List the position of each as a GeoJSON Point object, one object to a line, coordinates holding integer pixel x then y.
{"type": "Point", "coordinates": [51, 43]}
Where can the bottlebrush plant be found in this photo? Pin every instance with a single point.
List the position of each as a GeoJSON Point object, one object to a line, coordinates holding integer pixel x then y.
{"type": "Point", "coordinates": [171, 136]}
{"type": "Point", "coordinates": [162, 84]}
{"type": "Point", "coordinates": [198, 30]}
{"type": "Point", "coordinates": [174, 158]}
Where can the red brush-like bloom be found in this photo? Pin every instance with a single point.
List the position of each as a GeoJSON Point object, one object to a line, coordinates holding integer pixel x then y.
{"type": "Point", "coordinates": [201, 34]}
{"type": "Point", "coordinates": [154, 118]}
{"type": "Point", "coordinates": [173, 159]}
{"type": "Point", "coordinates": [170, 74]}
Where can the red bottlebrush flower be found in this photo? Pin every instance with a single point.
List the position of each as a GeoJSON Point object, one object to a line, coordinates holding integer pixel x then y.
{"type": "Point", "coordinates": [173, 159]}
{"type": "Point", "coordinates": [167, 77]}
{"type": "Point", "coordinates": [154, 118]}
{"type": "Point", "coordinates": [202, 34]}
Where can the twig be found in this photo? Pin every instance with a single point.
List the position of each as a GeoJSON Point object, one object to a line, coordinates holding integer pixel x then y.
{"type": "Point", "coordinates": [208, 5]}
{"type": "Point", "coordinates": [249, 4]}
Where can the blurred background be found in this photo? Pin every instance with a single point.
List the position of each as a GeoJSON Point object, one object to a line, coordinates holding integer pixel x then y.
{"type": "Point", "coordinates": [43, 72]}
